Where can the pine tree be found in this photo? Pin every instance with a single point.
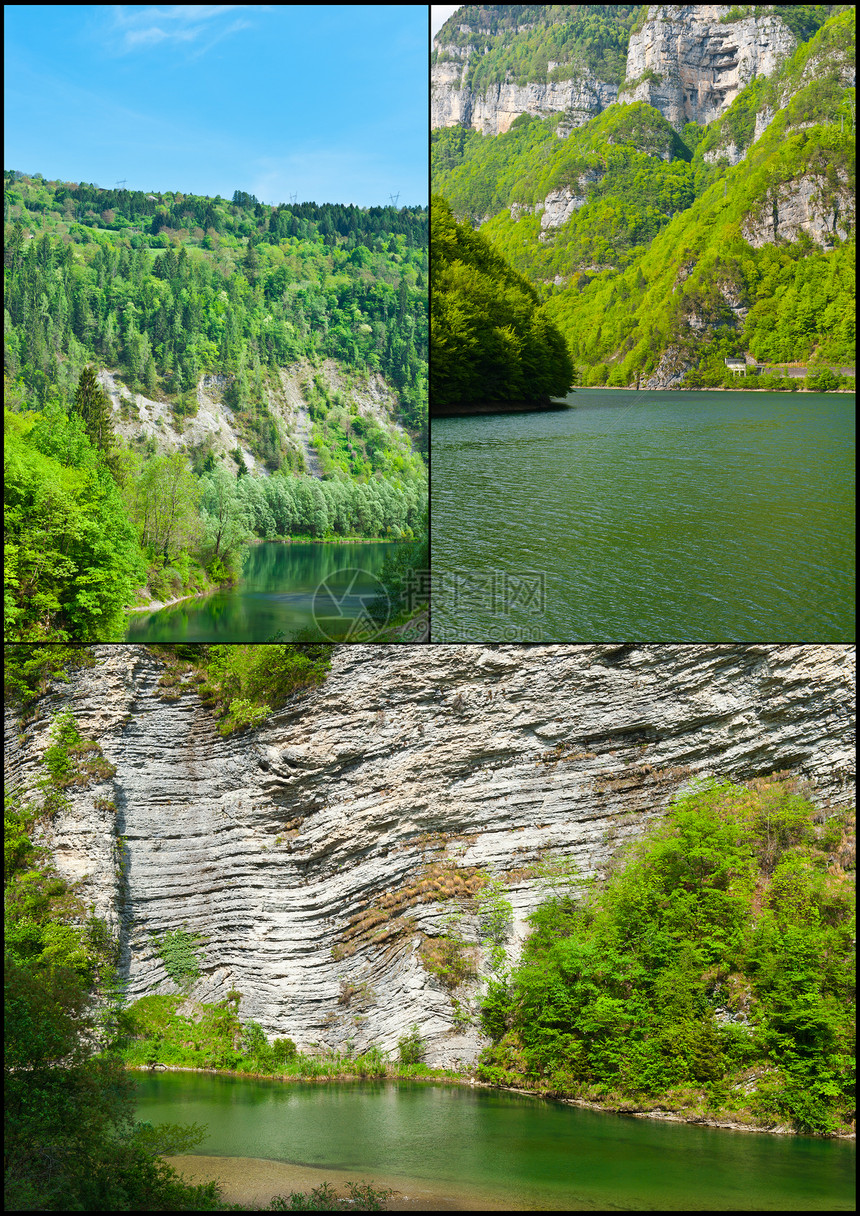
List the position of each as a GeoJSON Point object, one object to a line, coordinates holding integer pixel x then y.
{"type": "Point", "coordinates": [93, 405]}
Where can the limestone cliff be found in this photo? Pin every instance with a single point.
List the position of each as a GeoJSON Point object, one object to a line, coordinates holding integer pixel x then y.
{"type": "Point", "coordinates": [685, 60]}
{"type": "Point", "coordinates": [308, 850]}
{"type": "Point", "coordinates": [492, 110]}
{"type": "Point", "coordinates": [690, 65]}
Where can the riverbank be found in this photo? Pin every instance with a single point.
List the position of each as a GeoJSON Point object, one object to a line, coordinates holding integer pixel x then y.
{"type": "Point", "coordinates": [325, 540]}
{"type": "Point", "coordinates": [497, 407]}
{"type": "Point", "coordinates": [253, 1182]}
{"type": "Point", "coordinates": [157, 605]}
{"type": "Point", "coordinates": [677, 388]}
{"type": "Point", "coordinates": [447, 1077]}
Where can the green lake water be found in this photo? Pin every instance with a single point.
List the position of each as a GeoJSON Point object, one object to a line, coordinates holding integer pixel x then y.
{"type": "Point", "coordinates": [649, 516]}
{"type": "Point", "coordinates": [482, 1146]}
{"type": "Point", "coordinates": [283, 587]}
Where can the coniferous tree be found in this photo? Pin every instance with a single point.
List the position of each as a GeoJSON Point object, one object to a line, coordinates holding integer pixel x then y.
{"type": "Point", "coordinates": [93, 405]}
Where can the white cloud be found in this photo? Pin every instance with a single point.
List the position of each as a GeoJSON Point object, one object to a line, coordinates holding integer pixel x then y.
{"type": "Point", "coordinates": [136, 29]}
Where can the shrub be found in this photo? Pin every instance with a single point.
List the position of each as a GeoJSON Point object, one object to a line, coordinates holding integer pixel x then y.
{"type": "Point", "coordinates": [283, 1050]}
{"type": "Point", "coordinates": [178, 950]}
{"type": "Point", "coordinates": [363, 1197]}
{"type": "Point", "coordinates": [410, 1047]}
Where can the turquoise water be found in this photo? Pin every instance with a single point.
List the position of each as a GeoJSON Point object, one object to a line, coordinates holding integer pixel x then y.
{"type": "Point", "coordinates": [650, 516]}
{"type": "Point", "coordinates": [525, 1152]}
{"type": "Point", "coordinates": [283, 587]}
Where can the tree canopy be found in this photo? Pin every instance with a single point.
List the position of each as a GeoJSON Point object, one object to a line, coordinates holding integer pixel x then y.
{"type": "Point", "coordinates": [490, 340]}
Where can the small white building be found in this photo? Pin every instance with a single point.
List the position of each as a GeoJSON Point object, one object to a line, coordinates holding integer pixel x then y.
{"type": "Point", "coordinates": [736, 365]}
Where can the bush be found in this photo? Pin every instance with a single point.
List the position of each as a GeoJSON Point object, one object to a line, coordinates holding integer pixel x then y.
{"type": "Point", "coordinates": [283, 1050]}
{"type": "Point", "coordinates": [363, 1197]}
{"type": "Point", "coordinates": [178, 950]}
{"type": "Point", "coordinates": [410, 1047]}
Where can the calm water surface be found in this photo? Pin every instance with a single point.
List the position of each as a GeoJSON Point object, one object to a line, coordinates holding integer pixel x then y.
{"type": "Point", "coordinates": [650, 516]}
{"type": "Point", "coordinates": [499, 1147]}
{"type": "Point", "coordinates": [281, 588]}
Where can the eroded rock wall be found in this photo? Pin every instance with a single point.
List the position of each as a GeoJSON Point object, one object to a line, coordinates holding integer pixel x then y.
{"type": "Point", "coordinates": [299, 848]}
{"type": "Point", "coordinates": [694, 64]}
{"type": "Point", "coordinates": [684, 60]}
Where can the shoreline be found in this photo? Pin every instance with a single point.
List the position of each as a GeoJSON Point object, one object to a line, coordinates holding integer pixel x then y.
{"type": "Point", "coordinates": [157, 605]}
{"type": "Point", "coordinates": [255, 1181]}
{"type": "Point", "coordinates": [667, 1116]}
{"type": "Point", "coordinates": [499, 407]}
{"type": "Point", "coordinates": [328, 540]}
{"type": "Point", "coordinates": [676, 388]}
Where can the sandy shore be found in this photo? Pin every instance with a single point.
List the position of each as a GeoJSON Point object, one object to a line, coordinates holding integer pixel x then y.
{"type": "Point", "coordinates": [254, 1181]}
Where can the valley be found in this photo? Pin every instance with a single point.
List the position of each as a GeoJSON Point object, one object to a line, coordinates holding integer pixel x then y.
{"type": "Point", "coordinates": [675, 181]}
{"type": "Point", "coordinates": [223, 372]}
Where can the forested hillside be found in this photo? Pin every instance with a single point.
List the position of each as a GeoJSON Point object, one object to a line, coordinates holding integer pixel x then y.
{"type": "Point", "coordinates": [553, 42]}
{"type": "Point", "coordinates": [308, 326]}
{"type": "Point", "coordinates": [660, 251]}
{"type": "Point", "coordinates": [491, 342]}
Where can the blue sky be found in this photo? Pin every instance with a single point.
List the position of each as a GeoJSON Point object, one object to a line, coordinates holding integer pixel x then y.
{"type": "Point", "coordinates": [325, 102]}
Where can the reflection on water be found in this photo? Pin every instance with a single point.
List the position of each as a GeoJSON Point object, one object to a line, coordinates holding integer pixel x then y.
{"type": "Point", "coordinates": [650, 516]}
{"type": "Point", "coordinates": [485, 1148]}
{"type": "Point", "coordinates": [284, 588]}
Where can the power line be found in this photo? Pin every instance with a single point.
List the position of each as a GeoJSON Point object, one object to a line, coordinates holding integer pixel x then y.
{"type": "Point", "coordinates": [394, 198]}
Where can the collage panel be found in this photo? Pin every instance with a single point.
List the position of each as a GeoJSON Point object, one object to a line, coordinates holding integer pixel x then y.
{"type": "Point", "coordinates": [216, 364]}
{"type": "Point", "coordinates": [642, 333]}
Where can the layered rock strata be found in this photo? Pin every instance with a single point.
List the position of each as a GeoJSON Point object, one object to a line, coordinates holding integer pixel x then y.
{"type": "Point", "coordinates": [311, 852]}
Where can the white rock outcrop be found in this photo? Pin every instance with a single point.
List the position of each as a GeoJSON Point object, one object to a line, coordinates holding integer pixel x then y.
{"type": "Point", "coordinates": [695, 65]}
{"type": "Point", "coordinates": [559, 205]}
{"type": "Point", "coordinates": [809, 204]}
{"type": "Point", "coordinates": [294, 847]}
{"type": "Point", "coordinates": [684, 61]}
{"type": "Point", "coordinates": [492, 110]}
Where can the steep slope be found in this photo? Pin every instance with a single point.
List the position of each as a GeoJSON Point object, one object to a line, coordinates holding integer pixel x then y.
{"type": "Point", "coordinates": [354, 428]}
{"type": "Point", "coordinates": [492, 347]}
{"type": "Point", "coordinates": [492, 63]}
{"type": "Point", "coordinates": [659, 257]}
{"type": "Point", "coordinates": [322, 853]}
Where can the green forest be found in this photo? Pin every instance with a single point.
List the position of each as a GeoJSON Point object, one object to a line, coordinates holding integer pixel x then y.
{"type": "Point", "coordinates": [164, 289]}
{"type": "Point", "coordinates": [711, 975]}
{"type": "Point", "coordinates": [490, 339]}
{"type": "Point", "coordinates": [657, 260]}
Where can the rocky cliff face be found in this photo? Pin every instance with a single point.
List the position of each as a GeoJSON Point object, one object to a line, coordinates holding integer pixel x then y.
{"type": "Point", "coordinates": [492, 111]}
{"type": "Point", "coordinates": [215, 425]}
{"type": "Point", "coordinates": [683, 61]}
{"type": "Point", "coordinates": [694, 66]}
{"type": "Point", "coordinates": [310, 850]}
{"type": "Point", "coordinates": [809, 204]}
